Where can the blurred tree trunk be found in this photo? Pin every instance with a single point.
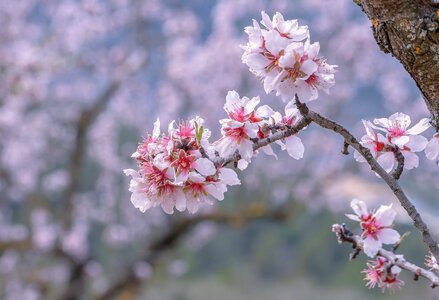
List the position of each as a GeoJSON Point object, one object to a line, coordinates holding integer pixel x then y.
{"type": "Point", "coordinates": [409, 30]}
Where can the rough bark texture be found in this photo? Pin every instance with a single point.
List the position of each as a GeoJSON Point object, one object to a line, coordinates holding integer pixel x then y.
{"type": "Point", "coordinates": [409, 30]}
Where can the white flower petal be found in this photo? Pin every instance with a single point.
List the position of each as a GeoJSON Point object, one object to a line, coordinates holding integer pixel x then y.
{"type": "Point", "coordinates": [420, 127]}
{"type": "Point", "coordinates": [294, 147]}
{"type": "Point", "coordinates": [371, 246]}
{"type": "Point", "coordinates": [387, 161]}
{"type": "Point", "coordinates": [242, 164]}
{"type": "Point", "coordinates": [205, 167]}
{"type": "Point", "coordinates": [385, 215]}
{"type": "Point", "coordinates": [432, 148]}
{"type": "Point", "coordinates": [229, 177]}
{"type": "Point", "coordinates": [388, 236]}
{"type": "Point", "coordinates": [411, 160]}
{"type": "Point", "coordinates": [417, 143]}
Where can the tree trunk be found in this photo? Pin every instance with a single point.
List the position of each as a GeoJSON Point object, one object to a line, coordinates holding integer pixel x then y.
{"type": "Point", "coordinates": [409, 30]}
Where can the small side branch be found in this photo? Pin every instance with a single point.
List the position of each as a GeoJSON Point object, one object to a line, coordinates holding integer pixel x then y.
{"type": "Point", "coordinates": [345, 236]}
{"type": "Point", "coordinates": [375, 166]}
{"type": "Point", "coordinates": [400, 167]}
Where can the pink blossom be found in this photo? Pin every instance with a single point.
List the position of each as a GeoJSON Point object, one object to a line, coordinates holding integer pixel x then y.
{"type": "Point", "coordinates": [398, 133]}
{"type": "Point", "coordinates": [289, 29]}
{"type": "Point", "coordinates": [303, 73]}
{"type": "Point", "coordinates": [376, 227]}
{"type": "Point", "coordinates": [283, 57]}
{"type": "Point", "coordinates": [379, 147]}
{"type": "Point", "coordinates": [241, 126]}
{"type": "Point", "coordinates": [383, 273]}
{"type": "Point", "coordinates": [293, 144]}
{"type": "Point", "coordinates": [382, 149]}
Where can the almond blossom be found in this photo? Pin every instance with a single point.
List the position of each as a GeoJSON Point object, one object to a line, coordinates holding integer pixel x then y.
{"type": "Point", "coordinates": [173, 173]}
{"type": "Point", "coordinates": [432, 148]}
{"type": "Point", "coordinates": [302, 73]}
{"type": "Point", "coordinates": [382, 149]}
{"type": "Point", "coordinates": [282, 56]}
{"type": "Point", "coordinates": [239, 128]}
{"type": "Point", "coordinates": [376, 226]}
{"type": "Point", "coordinates": [382, 273]}
{"type": "Point", "coordinates": [398, 133]}
{"type": "Point", "coordinates": [293, 144]}
{"type": "Point", "coordinates": [379, 147]}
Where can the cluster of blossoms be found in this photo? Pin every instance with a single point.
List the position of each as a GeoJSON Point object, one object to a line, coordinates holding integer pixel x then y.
{"type": "Point", "coordinates": [383, 273]}
{"type": "Point", "coordinates": [377, 230]}
{"type": "Point", "coordinates": [246, 123]}
{"type": "Point", "coordinates": [282, 55]}
{"type": "Point", "coordinates": [376, 226]}
{"type": "Point", "coordinates": [175, 169]}
{"type": "Point", "coordinates": [182, 169]}
{"type": "Point", "coordinates": [397, 135]}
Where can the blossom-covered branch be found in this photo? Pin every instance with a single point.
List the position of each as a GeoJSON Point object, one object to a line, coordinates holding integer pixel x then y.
{"type": "Point", "coordinates": [376, 167]}
{"type": "Point", "coordinates": [376, 229]}
{"type": "Point", "coordinates": [183, 169]}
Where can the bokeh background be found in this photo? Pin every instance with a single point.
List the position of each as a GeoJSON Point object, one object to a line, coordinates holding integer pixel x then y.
{"type": "Point", "coordinates": [82, 81]}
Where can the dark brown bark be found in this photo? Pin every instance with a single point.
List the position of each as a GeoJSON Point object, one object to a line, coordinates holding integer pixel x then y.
{"type": "Point", "coordinates": [409, 30]}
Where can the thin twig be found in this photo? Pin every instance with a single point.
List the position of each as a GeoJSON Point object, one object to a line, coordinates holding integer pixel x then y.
{"type": "Point", "coordinates": [400, 167]}
{"type": "Point", "coordinates": [344, 236]}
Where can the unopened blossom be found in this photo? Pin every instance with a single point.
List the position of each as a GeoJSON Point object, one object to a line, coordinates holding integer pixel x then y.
{"type": "Point", "coordinates": [431, 262]}
{"type": "Point", "coordinates": [383, 274]}
{"type": "Point", "coordinates": [432, 148]}
{"type": "Point", "coordinates": [239, 128]}
{"type": "Point", "coordinates": [398, 133]}
{"type": "Point", "coordinates": [376, 226]}
{"type": "Point", "coordinates": [175, 169]}
{"type": "Point", "coordinates": [293, 144]}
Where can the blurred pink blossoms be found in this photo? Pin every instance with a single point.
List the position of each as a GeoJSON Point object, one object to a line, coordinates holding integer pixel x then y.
{"type": "Point", "coordinates": [376, 226]}
{"type": "Point", "coordinates": [173, 171]}
{"type": "Point", "coordinates": [282, 55]}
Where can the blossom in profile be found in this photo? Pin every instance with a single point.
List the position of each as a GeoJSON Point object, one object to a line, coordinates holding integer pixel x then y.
{"type": "Point", "coordinates": [376, 226]}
